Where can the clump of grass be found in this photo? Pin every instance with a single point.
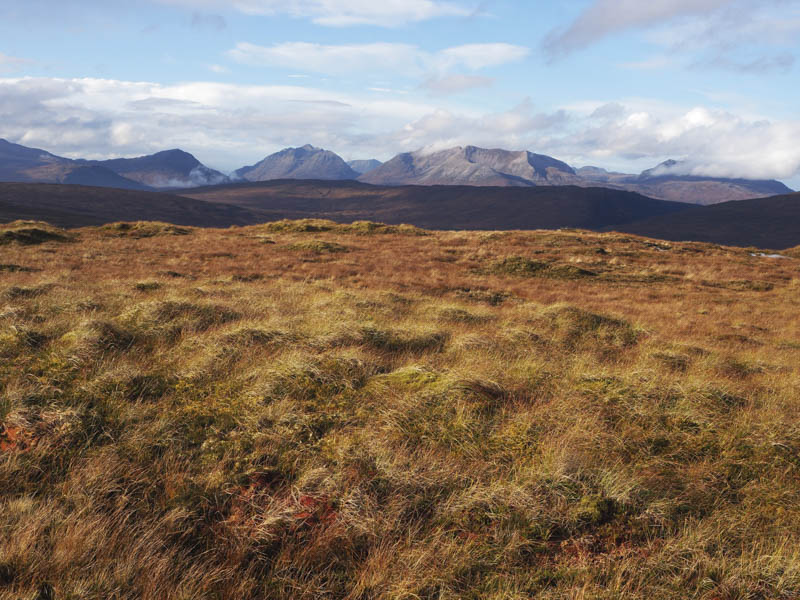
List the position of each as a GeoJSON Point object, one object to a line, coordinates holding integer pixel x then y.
{"type": "Point", "coordinates": [249, 337]}
{"type": "Point", "coordinates": [372, 228]}
{"type": "Point", "coordinates": [323, 225]}
{"type": "Point", "coordinates": [459, 315]}
{"type": "Point", "coordinates": [30, 233]}
{"type": "Point", "coordinates": [145, 229]}
{"type": "Point", "coordinates": [178, 316]}
{"type": "Point", "coordinates": [520, 266]}
{"type": "Point", "coordinates": [147, 286]}
{"type": "Point", "coordinates": [572, 326]}
{"type": "Point", "coordinates": [23, 292]}
{"type": "Point", "coordinates": [318, 247]}
{"type": "Point", "coordinates": [675, 362]}
{"type": "Point", "coordinates": [17, 339]}
{"type": "Point", "coordinates": [493, 298]}
{"type": "Point", "coordinates": [747, 285]}
{"type": "Point", "coordinates": [299, 226]}
{"type": "Point", "coordinates": [11, 268]}
{"type": "Point", "coordinates": [96, 337]}
{"type": "Point", "coordinates": [388, 340]}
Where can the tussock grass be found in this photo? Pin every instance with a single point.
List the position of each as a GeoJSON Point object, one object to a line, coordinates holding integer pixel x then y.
{"type": "Point", "coordinates": [31, 233]}
{"type": "Point", "coordinates": [524, 267]}
{"type": "Point", "coordinates": [324, 225]}
{"type": "Point", "coordinates": [144, 229]}
{"type": "Point", "coordinates": [318, 247]}
{"type": "Point", "coordinates": [262, 425]}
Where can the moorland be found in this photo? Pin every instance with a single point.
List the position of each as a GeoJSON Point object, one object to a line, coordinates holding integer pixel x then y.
{"type": "Point", "coordinates": [305, 409]}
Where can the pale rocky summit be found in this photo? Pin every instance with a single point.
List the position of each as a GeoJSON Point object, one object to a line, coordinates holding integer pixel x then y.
{"type": "Point", "coordinates": [470, 165]}
{"type": "Point", "coordinates": [306, 162]}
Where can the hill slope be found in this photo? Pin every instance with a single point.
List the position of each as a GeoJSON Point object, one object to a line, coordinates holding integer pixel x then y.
{"type": "Point", "coordinates": [764, 222]}
{"type": "Point", "coordinates": [442, 207]}
{"type": "Point", "coordinates": [79, 206]}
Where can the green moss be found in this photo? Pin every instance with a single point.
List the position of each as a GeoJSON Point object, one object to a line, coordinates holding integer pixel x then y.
{"type": "Point", "coordinates": [595, 510]}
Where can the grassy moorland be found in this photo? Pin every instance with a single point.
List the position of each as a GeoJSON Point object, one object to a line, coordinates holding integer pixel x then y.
{"type": "Point", "coordinates": [303, 410]}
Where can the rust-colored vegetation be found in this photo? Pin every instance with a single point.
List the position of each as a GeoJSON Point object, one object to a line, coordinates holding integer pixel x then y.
{"type": "Point", "coordinates": [311, 410]}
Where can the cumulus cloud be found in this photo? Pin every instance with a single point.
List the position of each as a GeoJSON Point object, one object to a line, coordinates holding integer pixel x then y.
{"type": "Point", "coordinates": [229, 125]}
{"type": "Point", "coordinates": [339, 13]}
{"type": "Point", "coordinates": [405, 59]}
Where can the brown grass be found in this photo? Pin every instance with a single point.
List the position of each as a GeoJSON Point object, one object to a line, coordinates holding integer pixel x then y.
{"type": "Point", "coordinates": [209, 416]}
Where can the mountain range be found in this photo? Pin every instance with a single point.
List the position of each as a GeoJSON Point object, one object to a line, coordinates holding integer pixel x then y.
{"type": "Point", "coordinates": [163, 170]}
{"type": "Point", "coordinates": [468, 165]}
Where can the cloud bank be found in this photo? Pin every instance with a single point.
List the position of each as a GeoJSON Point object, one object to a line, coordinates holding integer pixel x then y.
{"type": "Point", "coordinates": [228, 125]}
{"type": "Point", "coordinates": [340, 13]}
{"type": "Point", "coordinates": [404, 59]}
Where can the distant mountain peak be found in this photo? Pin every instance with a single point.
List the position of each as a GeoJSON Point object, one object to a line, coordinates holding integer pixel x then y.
{"type": "Point", "coordinates": [305, 162]}
{"type": "Point", "coordinates": [472, 165]}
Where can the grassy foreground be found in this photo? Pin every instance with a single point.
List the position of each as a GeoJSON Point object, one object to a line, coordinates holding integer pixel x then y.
{"type": "Point", "coordinates": [305, 410]}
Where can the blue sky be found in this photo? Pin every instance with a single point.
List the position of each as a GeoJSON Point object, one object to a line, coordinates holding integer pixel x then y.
{"type": "Point", "coordinates": [621, 84]}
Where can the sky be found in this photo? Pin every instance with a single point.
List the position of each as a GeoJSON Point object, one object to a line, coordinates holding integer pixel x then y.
{"type": "Point", "coordinates": [620, 84]}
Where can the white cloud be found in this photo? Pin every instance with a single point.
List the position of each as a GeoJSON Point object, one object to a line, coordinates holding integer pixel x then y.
{"type": "Point", "coordinates": [403, 59]}
{"type": "Point", "coordinates": [338, 13]}
{"type": "Point", "coordinates": [9, 64]}
{"type": "Point", "coordinates": [731, 34]}
{"type": "Point", "coordinates": [453, 84]}
{"type": "Point", "coordinates": [604, 17]}
{"type": "Point", "coordinates": [229, 125]}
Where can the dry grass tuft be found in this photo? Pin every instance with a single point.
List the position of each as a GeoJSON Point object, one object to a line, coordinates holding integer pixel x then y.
{"type": "Point", "coordinates": [31, 233]}
{"type": "Point", "coordinates": [145, 229]}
